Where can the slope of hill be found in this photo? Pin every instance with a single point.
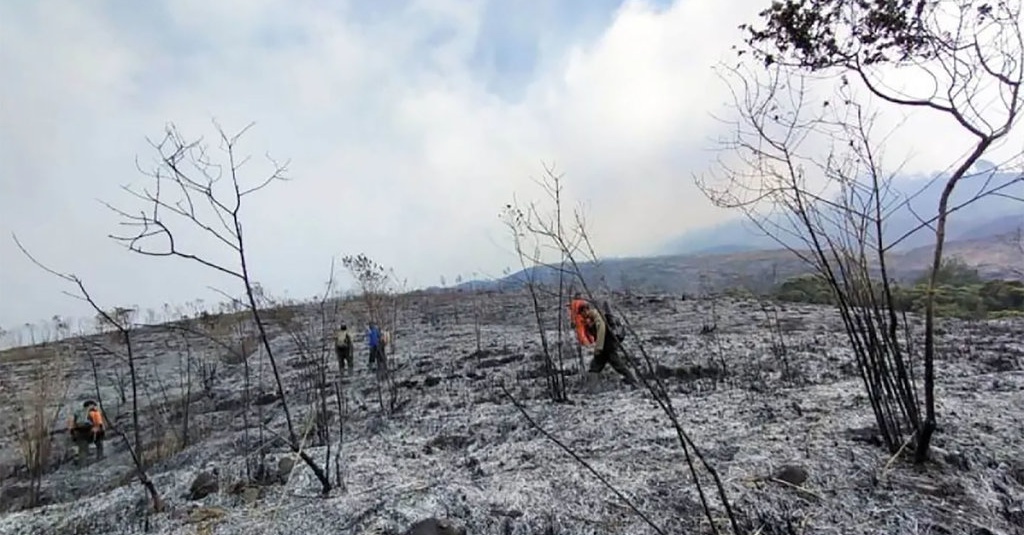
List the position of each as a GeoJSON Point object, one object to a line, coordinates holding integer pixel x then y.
{"type": "Point", "coordinates": [997, 226]}
{"type": "Point", "coordinates": [461, 447]}
{"type": "Point", "coordinates": [988, 216]}
{"type": "Point", "coordinates": [994, 257]}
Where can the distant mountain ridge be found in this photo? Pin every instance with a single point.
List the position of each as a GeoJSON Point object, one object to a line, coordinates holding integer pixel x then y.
{"type": "Point", "coordinates": [737, 253]}
{"type": "Point", "coordinates": [989, 216]}
{"type": "Point", "coordinates": [995, 257]}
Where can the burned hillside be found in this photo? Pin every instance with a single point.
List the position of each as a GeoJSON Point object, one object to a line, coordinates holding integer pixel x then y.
{"type": "Point", "coordinates": [453, 432]}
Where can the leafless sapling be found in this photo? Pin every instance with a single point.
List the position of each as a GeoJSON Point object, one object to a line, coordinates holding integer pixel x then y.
{"type": "Point", "coordinates": [777, 338]}
{"type": "Point", "coordinates": [314, 338]}
{"type": "Point", "coordinates": [186, 362]}
{"type": "Point", "coordinates": [538, 234]}
{"type": "Point", "coordinates": [709, 329]}
{"type": "Point", "coordinates": [575, 247]}
{"type": "Point", "coordinates": [375, 283]}
{"type": "Point", "coordinates": [516, 219]}
{"type": "Point", "coordinates": [456, 301]}
{"type": "Point", "coordinates": [192, 193]}
{"type": "Point", "coordinates": [474, 297]}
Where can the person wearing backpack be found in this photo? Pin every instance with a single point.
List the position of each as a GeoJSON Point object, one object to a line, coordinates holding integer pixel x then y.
{"type": "Point", "coordinates": [87, 426]}
{"type": "Point", "coordinates": [606, 343]}
{"type": "Point", "coordinates": [343, 348]}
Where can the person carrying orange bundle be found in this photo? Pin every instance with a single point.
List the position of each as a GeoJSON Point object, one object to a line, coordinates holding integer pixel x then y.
{"type": "Point", "coordinates": [606, 343]}
{"type": "Point", "coordinates": [87, 426]}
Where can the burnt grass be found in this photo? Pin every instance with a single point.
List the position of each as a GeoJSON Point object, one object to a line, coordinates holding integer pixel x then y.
{"type": "Point", "coordinates": [753, 394]}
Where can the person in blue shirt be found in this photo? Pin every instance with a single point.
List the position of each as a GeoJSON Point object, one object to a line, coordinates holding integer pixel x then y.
{"type": "Point", "coordinates": [373, 340]}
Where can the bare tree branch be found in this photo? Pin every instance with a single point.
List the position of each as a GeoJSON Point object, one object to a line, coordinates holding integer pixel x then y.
{"type": "Point", "coordinates": [189, 170]}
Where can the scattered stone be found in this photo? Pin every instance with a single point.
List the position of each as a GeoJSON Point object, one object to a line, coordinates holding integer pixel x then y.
{"type": "Point", "coordinates": [511, 513]}
{"type": "Point", "coordinates": [791, 473]}
{"type": "Point", "coordinates": [251, 495]}
{"type": "Point", "coordinates": [435, 526]}
{"type": "Point", "coordinates": [482, 353]}
{"type": "Point", "coordinates": [203, 485]}
{"type": "Point", "coordinates": [499, 361]}
{"type": "Point", "coordinates": [265, 399]}
{"type": "Point", "coordinates": [958, 460]}
{"type": "Point", "coordinates": [866, 435]}
{"type": "Point", "coordinates": [15, 498]}
{"type": "Point", "coordinates": [450, 442]}
{"type": "Point", "coordinates": [284, 468]}
{"type": "Point", "coordinates": [202, 514]}
{"type": "Point", "coordinates": [229, 404]}
{"type": "Point", "coordinates": [1014, 469]}
{"type": "Point", "coordinates": [237, 488]}
{"type": "Point", "coordinates": [409, 383]}
{"type": "Point", "coordinates": [725, 452]}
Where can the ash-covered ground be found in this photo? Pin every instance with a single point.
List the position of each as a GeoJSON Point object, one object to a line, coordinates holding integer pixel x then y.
{"type": "Point", "coordinates": [458, 448]}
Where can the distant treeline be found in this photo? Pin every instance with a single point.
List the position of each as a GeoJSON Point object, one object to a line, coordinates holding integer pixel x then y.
{"type": "Point", "coordinates": [960, 292]}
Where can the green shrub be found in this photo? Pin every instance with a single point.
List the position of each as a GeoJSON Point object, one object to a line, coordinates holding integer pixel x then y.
{"type": "Point", "coordinates": [960, 293]}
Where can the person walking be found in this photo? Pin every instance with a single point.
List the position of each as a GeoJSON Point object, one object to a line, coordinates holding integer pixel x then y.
{"type": "Point", "coordinates": [343, 349]}
{"type": "Point", "coordinates": [606, 344]}
{"type": "Point", "coordinates": [87, 426]}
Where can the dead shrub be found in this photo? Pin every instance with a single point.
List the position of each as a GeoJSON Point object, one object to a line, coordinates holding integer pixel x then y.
{"type": "Point", "coordinates": [165, 446]}
{"type": "Point", "coordinates": [38, 406]}
{"type": "Point", "coordinates": [24, 354]}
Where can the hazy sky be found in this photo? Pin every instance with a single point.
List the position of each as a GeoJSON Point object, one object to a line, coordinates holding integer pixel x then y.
{"type": "Point", "coordinates": [409, 124]}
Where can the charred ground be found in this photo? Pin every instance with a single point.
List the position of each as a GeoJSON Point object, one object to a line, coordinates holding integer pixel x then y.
{"type": "Point", "coordinates": [756, 391]}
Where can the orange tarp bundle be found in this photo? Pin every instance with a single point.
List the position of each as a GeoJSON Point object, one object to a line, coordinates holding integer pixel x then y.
{"type": "Point", "coordinates": [579, 322]}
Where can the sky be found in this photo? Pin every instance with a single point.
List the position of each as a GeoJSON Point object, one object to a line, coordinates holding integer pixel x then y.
{"type": "Point", "coordinates": [407, 126]}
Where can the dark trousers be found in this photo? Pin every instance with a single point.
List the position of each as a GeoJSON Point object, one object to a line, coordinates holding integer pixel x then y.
{"type": "Point", "coordinates": [344, 354]}
{"type": "Point", "coordinates": [82, 437]}
{"type": "Point", "coordinates": [377, 355]}
{"type": "Point", "coordinates": [609, 354]}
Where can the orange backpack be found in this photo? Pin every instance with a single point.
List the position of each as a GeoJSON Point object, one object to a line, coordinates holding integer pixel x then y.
{"type": "Point", "coordinates": [95, 418]}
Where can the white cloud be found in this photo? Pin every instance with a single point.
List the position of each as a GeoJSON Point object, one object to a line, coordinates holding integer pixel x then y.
{"type": "Point", "coordinates": [400, 147]}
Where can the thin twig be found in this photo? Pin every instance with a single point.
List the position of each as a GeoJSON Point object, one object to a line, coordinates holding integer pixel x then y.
{"type": "Point", "coordinates": [629, 503]}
